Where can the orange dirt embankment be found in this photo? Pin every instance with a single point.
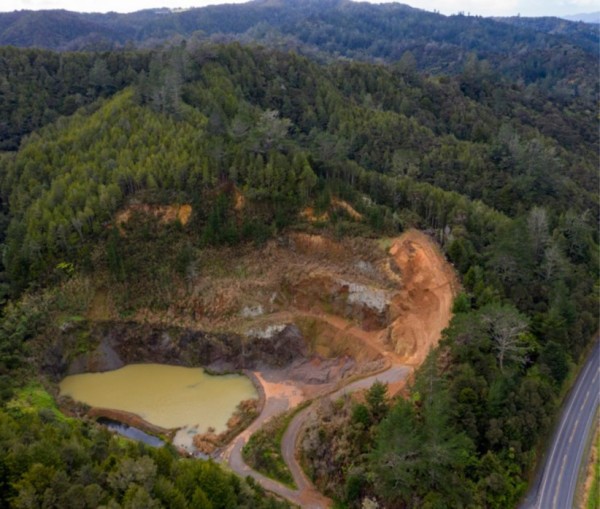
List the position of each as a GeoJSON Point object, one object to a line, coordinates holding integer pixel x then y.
{"type": "Point", "coordinates": [423, 307]}
{"type": "Point", "coordinates": [336, 204]}
{"type": "Point", "coordinates": [164, 213]}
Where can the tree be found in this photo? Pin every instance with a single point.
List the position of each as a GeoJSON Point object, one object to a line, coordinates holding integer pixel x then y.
{"type": "Point", "coordinates": [141, 471]}
{"type": "Point", "coordinates": [537, 226]}
{"type": "Point", "coordinates": [407, 65]}
{"type": "Point", "coordinates": [137, 497]}
{"type": "Point", "coordinates": [397, 459]}
{"type": "Point", "coordinates": [505, 327]}
{"type": "Point", "coordinates": [100, 77]}
{"type": "Point", "coordinates": [377, 400]}
{"type": "Point", "coordinates": [270, 131]}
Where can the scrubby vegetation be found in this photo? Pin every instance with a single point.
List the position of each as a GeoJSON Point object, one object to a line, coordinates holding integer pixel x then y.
{"type": "Point", "coordinates": [593, 493]}
{"type": "Point", "coordinates": [263, 450]}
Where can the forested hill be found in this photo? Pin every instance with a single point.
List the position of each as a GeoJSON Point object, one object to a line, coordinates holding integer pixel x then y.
{"type": "Point", "coordinates": [502, 170]}
{"type": "Point", "coordinates": [332, 28]}
{"type": "Point", "coordinates": [225, 112]}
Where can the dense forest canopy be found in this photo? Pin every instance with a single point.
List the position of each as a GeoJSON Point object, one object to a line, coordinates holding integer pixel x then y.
{"type": "Point", "coordinates": [329, 28]}
{"type": "Point", "coordinates": [495, 153]}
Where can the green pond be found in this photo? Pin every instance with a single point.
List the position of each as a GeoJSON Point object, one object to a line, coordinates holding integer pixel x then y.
{"type": "Point", "coordinates": [167, 396]}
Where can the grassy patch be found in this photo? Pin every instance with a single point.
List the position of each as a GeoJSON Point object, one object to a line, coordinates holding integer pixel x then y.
{"type": "Point", "coordinates": [385, 243]}
{"type": "Point", "coordinates": [594, 494]}
{"type": "Point", "coordinates": [263, 450]}
{"type": "Point", "coordinates": [34, 398]}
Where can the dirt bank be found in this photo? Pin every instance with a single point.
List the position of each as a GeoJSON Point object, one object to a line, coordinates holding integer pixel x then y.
{"type": "Point", "coordinates": [423, 307]}
{"type": "Point", "coordinates": [131, 420]}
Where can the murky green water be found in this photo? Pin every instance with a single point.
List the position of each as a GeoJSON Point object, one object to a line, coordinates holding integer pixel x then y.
{"type": "Point", "coordinates": [168, 396]}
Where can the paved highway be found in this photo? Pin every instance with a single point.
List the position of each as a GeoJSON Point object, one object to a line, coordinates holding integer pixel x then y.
{"type": "Point", "coordinates": [556, 489]}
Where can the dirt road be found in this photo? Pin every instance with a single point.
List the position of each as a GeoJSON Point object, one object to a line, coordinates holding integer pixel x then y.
{"type": "Point", "coordinates": [419, 312]}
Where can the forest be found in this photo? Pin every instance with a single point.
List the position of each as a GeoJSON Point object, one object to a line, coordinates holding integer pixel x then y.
{"type": "Point", "coordinates": [529, 48]}
{"type": "Point", "coordinates": [495, 158]}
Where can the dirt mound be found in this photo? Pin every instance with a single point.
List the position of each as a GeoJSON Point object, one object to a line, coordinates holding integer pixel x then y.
{"type": "Point", "coordinates": [329, 338]}
{"type": "Point", "coordinates": [364, 304]}
{"type": "Point", "coordinates": [130, 419]}
{"type": "Point", "coordinates": [310, 215]}
{"type": "Point", "coordinates": [349, 209]}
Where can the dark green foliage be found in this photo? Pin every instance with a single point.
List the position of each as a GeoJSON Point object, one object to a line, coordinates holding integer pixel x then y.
{"type": "Point", "coordinates": [220, 227]}
{"type": "Point", "coordinates": [20, 322]}
{"type": "Point", "coordinates": [72, 464]}
{"type": "Point", "coordinates": [38, 86]}
{"type": "Point", "coordinates": [377, 403]}
{"type": "Point", "coordinates": [361, 415]}
{"type": "Point", "coordinates": [419, 456]}
{"type": "Point", "coordinates": [544, 50]}
{"type": "Point", "coordinates": [555, 359]}
{"type": "Point", "coordinates": [217, 120]}
{"type": "Point", "coordinates": [335, 447]}
{"type": "Point", "coordinates": [462, 303]}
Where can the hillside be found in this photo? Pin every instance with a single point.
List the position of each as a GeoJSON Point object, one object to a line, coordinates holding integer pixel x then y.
{"type": "Point", "coordinates": [235, 206]}
{"type": "Point", "coordinates": [331, 29]}
{"type": "Point", "coordinates": [586, 17]}
{"type": "Point", "coordinates": [228, 121]}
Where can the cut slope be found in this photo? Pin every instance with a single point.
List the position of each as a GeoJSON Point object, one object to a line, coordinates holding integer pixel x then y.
{"type": "Point", "coordinates": [423, 308]}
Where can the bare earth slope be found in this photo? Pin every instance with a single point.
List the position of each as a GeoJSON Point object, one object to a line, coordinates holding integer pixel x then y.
{"type": "Point", "coordinates": [423, 307]}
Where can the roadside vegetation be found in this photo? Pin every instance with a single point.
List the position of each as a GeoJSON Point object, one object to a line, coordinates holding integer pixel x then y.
{"type": "Point", "coordinates": [263, 450]}
{"type": "Point", "coordinates": [591, 486]}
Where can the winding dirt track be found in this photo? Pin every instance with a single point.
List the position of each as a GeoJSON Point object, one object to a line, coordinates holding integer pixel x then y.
{"type": "Point", "coordinates": [419, 313]}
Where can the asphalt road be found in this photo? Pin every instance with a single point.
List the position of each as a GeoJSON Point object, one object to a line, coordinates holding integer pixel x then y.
{"type": "Point", "coordinates": [556, 489]}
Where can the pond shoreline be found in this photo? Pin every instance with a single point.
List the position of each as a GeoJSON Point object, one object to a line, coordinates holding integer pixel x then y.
{"type": "Point", "coordinates": [131, 419]}
{"type": "Point", "coordinates": [239, 420]}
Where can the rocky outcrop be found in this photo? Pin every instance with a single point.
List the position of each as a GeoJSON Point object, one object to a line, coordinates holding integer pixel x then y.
{"type": "Point", "coordinates": [103, 358]}
{"type": "Point", "coordinates": [114, 344]}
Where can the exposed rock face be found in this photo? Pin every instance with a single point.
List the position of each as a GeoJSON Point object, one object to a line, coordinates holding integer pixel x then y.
{"type": "Point", "coordinates": [123, 343]}
{"type": "Point", "coordinates": [368, 305]}
{"type": "Point", "coordinates": [103, 358]}
{"type": "Point", "coordinates": [334, 292]}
